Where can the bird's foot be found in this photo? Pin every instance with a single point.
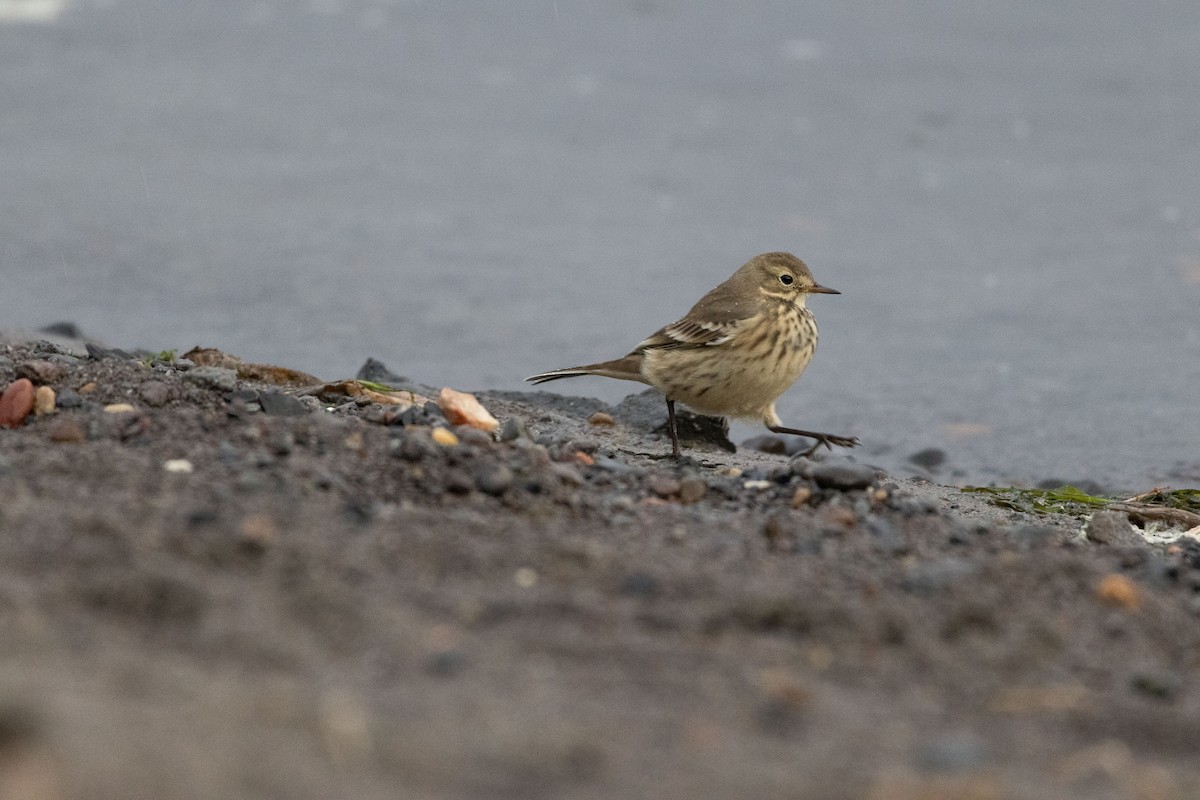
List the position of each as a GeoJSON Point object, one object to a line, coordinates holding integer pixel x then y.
{"type": "Point", "coordinates": [822, 439]}
{"type": "Point", "coordinates": [829, 440]}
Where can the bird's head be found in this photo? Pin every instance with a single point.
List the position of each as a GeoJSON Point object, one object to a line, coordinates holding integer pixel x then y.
{"type": "Point", "coordinates": [783, 276]}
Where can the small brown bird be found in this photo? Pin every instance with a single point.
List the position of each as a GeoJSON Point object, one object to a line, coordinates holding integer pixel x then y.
{"type": "Point", "coordinates": [734, 353]}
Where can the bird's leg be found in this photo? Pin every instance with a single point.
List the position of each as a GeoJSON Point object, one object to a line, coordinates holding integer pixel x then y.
{"type": "Point", "coordinates": [675, 451]}
{"type": "Point", "coordinates": [826, 439]}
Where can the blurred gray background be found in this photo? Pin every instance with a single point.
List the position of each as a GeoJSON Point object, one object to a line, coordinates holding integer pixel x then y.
{"type": "Point", "coordinates": [1007, 194]}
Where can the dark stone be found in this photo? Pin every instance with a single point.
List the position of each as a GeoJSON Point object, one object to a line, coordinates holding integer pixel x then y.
{"type": "Point", "coordinates": [447, 663]}
{"type": "Point", "coordinates": [640, 584]}
{"type": "Point", "coordinates": [416, 447]}
{"type": "Point", "coordinates": [67, 330]}
{"type": "Point", "coordinates": [930, 458]}
{"type": "Point", "coordinates": [692, 490]}
{"type": "Point", "coordinates": [513, 428]}
{"type": "Point", "coordinates": [1162, 684]}
{"type": "Point", "coordinates": [781, 717]}
{"type": "Point", "coordinates": [935, 576]}
{"type": "Point", "coordinates": [46, 348]}
{"type": "Point", "coordinates": [911, 506]}
{"type": "Point", "coordinates": [1031, 535]}
{"type": "Point", "coordinates": [888, 538]}
{"type": "Point", "coordinates": [98, 353]}
{"type": "Point", "coordinates": [468, 435]}
{"type": "Point", "coordinates": [953, 752]}
{"type": "Point", "coordinates": [377, 372]}
{"type": "Point", "coordinates": [612, 465]}
{"type": "Point", "coordinates": [663, 485]}
{"type": "Point", "coordinates": [154, 393]}
{"type": "Point", "coordinates": [40, 371]}
{"type": "Point", "coordinates": [427, 415]}
{"type": "Point", "coordinates": [227, 453]}
{"type": "Point", "coordinates": [219, 378]}
{"type": "Point", "coordinates": [767, 443]}
{"type": "Point", "coordinates": [648, 411]}
{"type": "Point", "coordinates": [278, 404]}
{"type": "Point", "coordinates": [459, 482]}
{"type": "Point", "coordinates": [494, 479]}
{"type": "Point", "coordinates": [843, 476]}
{"type": "Point", "coordinates": [69, 398]}
{"type": "Point", "coordinates": [1111, 527]}
{"type": "Point", "coordinates": [19, 728]}
{"type": "Point", "coordinates": [359, 510]}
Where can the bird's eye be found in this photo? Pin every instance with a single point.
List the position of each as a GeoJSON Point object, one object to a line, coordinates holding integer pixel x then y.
{"type": "Point", "coordinates": [786, 279]}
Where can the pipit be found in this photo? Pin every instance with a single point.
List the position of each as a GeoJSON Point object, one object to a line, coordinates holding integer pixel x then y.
{"type": "Point", "coordinates": [734, 353]}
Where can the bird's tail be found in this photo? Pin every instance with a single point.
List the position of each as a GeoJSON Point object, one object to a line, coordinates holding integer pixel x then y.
{"type": "Point", "coordinates": [628, 368]}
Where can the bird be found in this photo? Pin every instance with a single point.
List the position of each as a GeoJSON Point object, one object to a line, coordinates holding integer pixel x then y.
{"type": "Point", "coordinates": [734, 353]}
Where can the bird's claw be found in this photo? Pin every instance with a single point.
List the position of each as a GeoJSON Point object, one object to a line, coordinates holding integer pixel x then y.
{"type": "Point", "coordinates": [828, 440]}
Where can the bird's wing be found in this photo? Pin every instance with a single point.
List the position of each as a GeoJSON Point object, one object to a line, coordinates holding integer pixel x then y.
{"type": "Point", "coordinates": [714, 320]}
{"type": "Point", "coordinates": [689, 332]}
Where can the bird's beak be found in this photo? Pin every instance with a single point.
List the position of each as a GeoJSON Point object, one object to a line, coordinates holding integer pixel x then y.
{"type": "Point", "coordinates": [819, 289]}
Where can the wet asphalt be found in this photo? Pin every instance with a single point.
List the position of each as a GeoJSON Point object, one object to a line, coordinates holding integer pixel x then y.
{"type": "Point", "coordinates": [1005, 194]}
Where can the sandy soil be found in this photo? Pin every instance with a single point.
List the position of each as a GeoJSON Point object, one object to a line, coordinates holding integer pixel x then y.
{"type": "Point", "coordinates": [221, 593]}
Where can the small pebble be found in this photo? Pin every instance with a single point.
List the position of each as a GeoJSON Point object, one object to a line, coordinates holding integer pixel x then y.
{"type": "Point", "coordinates": [1161, 684]}
{"type": "Point", "coordinates": [154, 393]}
{"type": "Point", "coordinates": [278, 404]}
{"type": "Point", "coordinates": [934, 576]}
{"type": "Point", "coordinates": [119, 408]}
{"type": "Point", "coordinates": [39, 371]}
{"type": "Point", "coordinates": [494, 479]}
{"type": "Point", "coordinates": [802, 495]}
{"type": "Point", "coordinates": [98, 353]}
{"type": "Point", "coordinates": [841, 516]}
{"type": "Point", "coordinates": [444, 436]}
{"type": "Point", "coordinates": [179, 466]}
{"type": "Point", "coordinates": [1118, 590]}
{"type": "Point", "coordinates": [844, 476]}
{"type": "Point", "coordinates": [1110, 527]}
{"type": "Point", "coordinates": [513, 428]}
{"type": "Point", "coordinates": [567, 474]}
{"type": "Point", "coordinates": [767, 443]}
{"type": "Point", "coordinates": [663, 485]}
{"type": "Point", "coordinates": [43, 401]}
{"type": "Point", "coordinates": [468, 435]}
{"type": "Point", "coordinates": [65, 430]}
{"type": "Point", "coordinates": [692, 490]}
{"type": "Point", "coordinates": [219, 378]}
{"type": "Point", "coordinates": [415, 447]}
{"type": "Point", "coordinates": [459, 482]}
{"type": "Point", "coordinates": [463, 408]}
{"type": "Point", "coordinates": [640, 584]}
{"type": "Point", "coordinates": [888, 538]}
{"type": "Point", "coordinates": [447, 663]}
{"type": "Point", "coordinates": [612, 465]}
{"type": "Point", "coordinates": [16, 403]}
{"type": "Point", "coordinates": [601, 418]}
{"type": "Point", "coordinates": [953, 752]}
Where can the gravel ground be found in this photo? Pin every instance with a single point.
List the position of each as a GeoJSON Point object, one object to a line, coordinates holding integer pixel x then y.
{"type": "Point", "coordinates": [225, 589]}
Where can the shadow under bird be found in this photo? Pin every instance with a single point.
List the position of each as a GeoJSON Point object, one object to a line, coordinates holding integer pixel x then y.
{"type": "Point", "coordinates": [739, 348]}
